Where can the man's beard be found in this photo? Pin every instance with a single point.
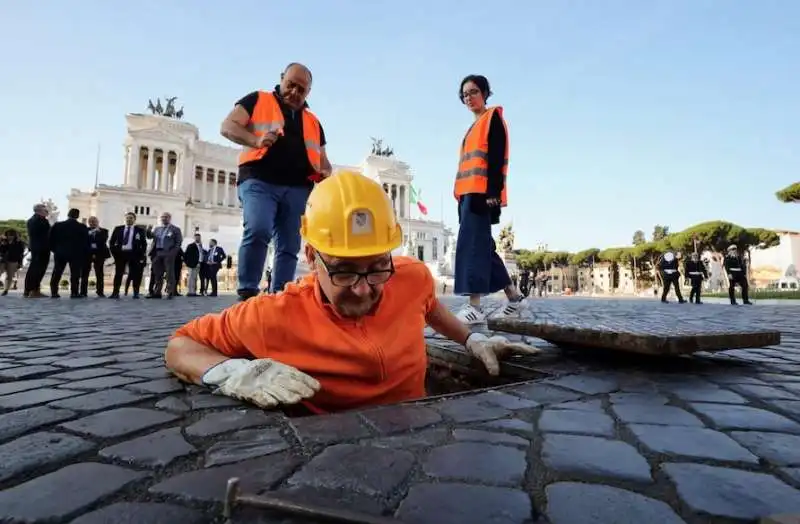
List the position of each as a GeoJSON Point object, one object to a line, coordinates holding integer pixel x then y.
{"type": "Point", "coordinates": [351, 306]}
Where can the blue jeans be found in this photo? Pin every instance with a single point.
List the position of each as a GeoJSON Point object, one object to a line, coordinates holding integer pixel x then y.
{"type": "Point", "coordinates": [479, 269]}
{"type": "Point", "coordinates": [269, 212]}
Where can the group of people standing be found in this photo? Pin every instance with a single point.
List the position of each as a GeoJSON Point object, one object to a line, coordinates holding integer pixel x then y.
{"type": "Point", "coordinates": [695, 271]}
{"type": "Point", "coordinates": [284, 156]}
{"type": "Point", "coordinates": [85, 248]}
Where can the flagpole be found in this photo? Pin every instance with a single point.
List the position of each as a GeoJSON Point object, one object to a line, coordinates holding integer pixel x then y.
{"type": "Point", "coordinates": [97, 167]}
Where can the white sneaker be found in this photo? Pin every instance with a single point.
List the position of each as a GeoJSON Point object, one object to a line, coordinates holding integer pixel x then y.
{"type": "Point", "coordinates": [512, 309]}
{"type": "Point", "coordinates": [470, 315]}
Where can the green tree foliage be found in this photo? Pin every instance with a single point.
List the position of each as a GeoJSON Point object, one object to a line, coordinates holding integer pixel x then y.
{"type": "Point", "coordinates": [638, 237]}
{"type": "Point", "coordinates": [714, 236]}
{"type": "Point", "coordinates": [789, 194]}
{"type": "Point", "coordinates": [18, 225]}
{"type": "Point", "coordinates": [660, 232]}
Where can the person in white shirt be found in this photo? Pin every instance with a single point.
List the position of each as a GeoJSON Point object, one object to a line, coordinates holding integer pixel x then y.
{"type": "Point", "coordinates": [128, 246]}
{"type": "Point", "coordinates": [213, 262]}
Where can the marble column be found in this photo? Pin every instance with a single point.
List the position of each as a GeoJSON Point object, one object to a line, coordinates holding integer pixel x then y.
{"type": "Point", "coordinates": [134, 166]}
{"type": "Point", "coordinates": [180, 179]}
{"type": "Point", "coordinates": [163, 180]}
{"type": "Point", "coordinates": [204, 187]}
{"type": "Point", "coordinates": [150, 180]}
{"type": "Point", "coordinates": [216, 188]}
{"type": "Point", "coordinates": [226, 188]}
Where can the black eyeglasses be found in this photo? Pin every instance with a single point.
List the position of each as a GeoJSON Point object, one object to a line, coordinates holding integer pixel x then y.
{"type": "Point", "coordinates": [471, 92]}
{"type": "Point", "coordinates": [352, 278]}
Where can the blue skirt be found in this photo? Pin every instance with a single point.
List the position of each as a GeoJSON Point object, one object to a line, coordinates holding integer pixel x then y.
{"type": "Point", "coordinates": [479, 269]}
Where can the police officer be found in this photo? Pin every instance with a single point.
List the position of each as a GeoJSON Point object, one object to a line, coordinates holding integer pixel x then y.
{"type": "Point", "coordinates": [736, 268]}
{"type": "Point", "coordinates": [696, 272]}
{"type": "Point", "coordinates": [668, 266]}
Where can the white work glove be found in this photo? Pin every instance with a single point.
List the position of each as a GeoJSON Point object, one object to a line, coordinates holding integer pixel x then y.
{"type": "Point", "coordinates": [489, 350]}
{"type": "Point", "coordinates": [264, 382]}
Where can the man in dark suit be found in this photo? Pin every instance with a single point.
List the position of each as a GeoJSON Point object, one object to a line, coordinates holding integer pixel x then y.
{"type": "Point", "coordinates": [168, 240]}
{"type": "Point", "coordinates": [69, 241]}
{"type": "Point", "coordinates": [193, 256]}
{"type": "Point", "coordinates": [39, 246]}
{"type": "Point", "coordinates": [96, 259]}
{"type": "Point", "coordinates": [213, 263]}
{"type": "Point", "coordinates": [129, 248]}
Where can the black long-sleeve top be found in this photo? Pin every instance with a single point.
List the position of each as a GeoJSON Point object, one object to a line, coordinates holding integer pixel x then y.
{"type": "Point", "coordinates": [498, 139]}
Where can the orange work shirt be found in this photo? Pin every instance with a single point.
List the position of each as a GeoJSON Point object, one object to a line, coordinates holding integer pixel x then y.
{"type": "Point", "coordinates": [377, 359]}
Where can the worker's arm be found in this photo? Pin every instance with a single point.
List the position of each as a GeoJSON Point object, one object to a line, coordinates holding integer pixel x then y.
{"type": "Point", "coordinates": [326, 169]}
{"type": "Point", "coordinates": [214, 351]}
{"type": "Point", "coordinates": [235, 125]}
{"type": "Point", "coordinates": [484, 348]}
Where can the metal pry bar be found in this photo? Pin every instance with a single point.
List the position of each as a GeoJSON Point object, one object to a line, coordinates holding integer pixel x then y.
{"type": "Point", "coordinates": [341, 516]}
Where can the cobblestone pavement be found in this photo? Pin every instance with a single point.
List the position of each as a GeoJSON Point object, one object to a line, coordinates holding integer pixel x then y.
{"type": "Point", "coordinates": [93, 430]}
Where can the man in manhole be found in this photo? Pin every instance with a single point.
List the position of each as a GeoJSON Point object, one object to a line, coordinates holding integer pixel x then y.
{"type": "Point", "coordinates": [349, 334]}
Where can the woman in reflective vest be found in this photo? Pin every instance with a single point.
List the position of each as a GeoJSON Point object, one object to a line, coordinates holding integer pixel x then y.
{"type": "Point", "coordinates": [267, 117]}
{"type": "Point", "coordinates": [481, 192]}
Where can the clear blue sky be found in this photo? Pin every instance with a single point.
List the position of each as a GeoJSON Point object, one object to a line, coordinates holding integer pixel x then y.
{"type": "Point", "coordinates": [611, 105]}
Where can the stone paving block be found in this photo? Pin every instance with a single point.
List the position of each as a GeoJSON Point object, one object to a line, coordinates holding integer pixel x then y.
{"type": "Point", "coordinates": [707, 393]}
{"type": "Point", "coordinates": [209, 484]}
{"type": "Point", "coordinates": [732, 493]}
{"type": "Point", "coordinates": [245, 445]}
{"type": "Point", "coordinates": [588, 384]}
{"type": "Point", "coordinates": [329, 498]}
{"type": "Point", "coordinates": [469, 409]}
{"type": "Point", "coordinates": [594, 456]}
{"type": "Point", "coordinates": [745, 417]}
{"type": "Point", "coordinates": [160, 386]}
{"type": "Point", "coordinates": [401, 418]}
{"type": "Point", "coordinates": [85, 362]}
{"type": "Point", "coordinates": [504, 400]}
{"type": "Point", "coordinates": [513, 425]}
{"type": "Point", "coordinates": [778, 448]}
{"type": "Point", "coordinates": [63, 493]}
{"type": "Point", "coordinates": [329, 428]}
{"type": "Point", "coordinates": [655, 414]}
{"type": "Point", "coordinates": [637, 398]}
{"type": "Point", "coordinates": [765, 392]}
{"type": "Point", "coordinates": [790, 407]}
{"type": "Point", "coordinates": [476, 462]}
{"type": "Point", "coordinates": [362, 469]}
{"type": "Point", "coordinates": [82, 374]}
{"type": "Point", "coordinates": [157, 449]}
{"type": "Point", "coordinates": [425, 438]}
{"type": "Point", "coordinates": [119, 422]}
{"type": "Point", "coordinates": [702, 443]}
{"type": "Point", "coordinates": [175, 404]}
{"type": "Point", "coordinates": [209, 401]}
{"type": "Point", "coordinates": [544, 394]}
{"type": "Point", "coordinates": [18, 422]}
{"type": "Point", "coordinates": [34, 397]}
{"type": "Point", "coordinates": [111, 381]}
{"type": "Point", "coordinates": [156, 372]}
{"type": "Point", "coordinates": [29, 355]}
{"type": "Point", "coordinates": [593, 405]}
{"type": "Point", "coordinates": [137, 366]}
{"type": "Point", "coordinates": [226, 421]}
{"type": "Point", "coordinates": [21, 372]}
{"type": "Point", "coordinates": [39, 449]}
{"type": "Point", "coordinates": [578, 503]}
{"type": "Point", "coordinates": [109, 398]}
{"type": "Point", "coordinates": [134, 356]}
{"type": "Point", "coordinates": [568, 421]}
{"type": "Point", "coordinates": [490, 437]}
{"type": "Point", "coordinates": [142, 513]}
{"type": "Point", "coordinates": [445, 502]}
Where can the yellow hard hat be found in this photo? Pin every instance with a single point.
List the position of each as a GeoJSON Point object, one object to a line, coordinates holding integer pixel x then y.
{"type": "Point", "coordinates": [349, 215]}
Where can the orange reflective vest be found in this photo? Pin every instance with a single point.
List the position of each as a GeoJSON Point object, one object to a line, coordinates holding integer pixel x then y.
{"type": "Point", "coordinates": [267, 116]}
{"type": "Point", "coordinates": [473, 165]}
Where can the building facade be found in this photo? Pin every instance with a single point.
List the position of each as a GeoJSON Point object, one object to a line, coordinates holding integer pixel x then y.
{"type": "Point", "coordinates": [168, 168]}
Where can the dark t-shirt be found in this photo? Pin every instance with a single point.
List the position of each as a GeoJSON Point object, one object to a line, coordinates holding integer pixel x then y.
{"type": "Point", "coordinates": [286, 162]}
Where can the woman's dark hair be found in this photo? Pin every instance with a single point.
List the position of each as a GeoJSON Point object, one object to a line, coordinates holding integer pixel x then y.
{"type": "Point", "coordinates": [478, 80]}
{"type": "Point", "coordinates": [12, 233]}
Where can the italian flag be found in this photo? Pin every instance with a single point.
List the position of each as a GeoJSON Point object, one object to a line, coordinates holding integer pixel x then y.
{"type": "Point", "coordinates": [415, 200]}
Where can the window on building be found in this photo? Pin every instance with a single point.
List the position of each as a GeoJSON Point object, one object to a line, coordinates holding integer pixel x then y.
{"type": "Point", "coordinates": [147, 211]}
